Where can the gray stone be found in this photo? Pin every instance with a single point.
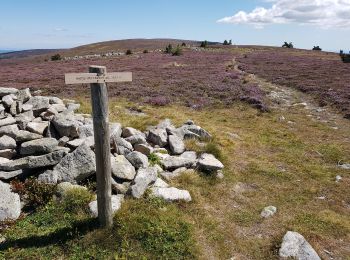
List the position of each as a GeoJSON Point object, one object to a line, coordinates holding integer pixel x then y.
{"type": "Point", "coordinates": [75, 142]}
{"type": "Point", "coordinates": [7, 101]}
{"type": "Point", "coordinates": [40, 104]}
{"type": "Point", "coordinates": [338, 178]}
{"type": "Point", "coordinates": [295, 246]}
{"type": "Point", "coordinates": [14, 165]}
{"type": "Point", "coordinates": [345, 166]}
{"type": "Point", "coordinates": [7, 153]}
{"type": "Point", "coordinates": [7, 91]}
{"type": "Point", "coordinates": [24, 118]}
{"type": "Point", "coordinates": [10, 204]}
{"type": "Point", "coordinates": [129, 131]}
{"type": "Point", "coordinates": [27, 107]}
{"type": "Point", "coordinates": [137, 159]}
{"type": "Point", "coordinates": [86, 131]}
{"type": "Point", "coordinates": [174, 162]}
{"type": "Point", "coordinates": [176, 144]}
{"type": "Point", "coordinates": [268, 211]}
{"type": "Point", "coordinates": [49, 114]}
{"type": "Point", "coordinates": [136, 139]}
{"type": "Point", "coordinates": [190, 155]}
{"type": "Point", "coordinates": [121, 150]}
{"type": "Point", "coordinates": [122, 168]}
{"type": "Point", "coordinates": [118, 141]}
{"type": "Point", "coordinates": [171, 194]}
{"type": "Point", "coordinates": [158, 136]}
{"type": "Point", "coordinates": [37, 127]}
{"type": "Point", "coordinates": [144, 149]}
{"type": "Point", "coordinates": [59, 107]}
{"type": "Point", "coordinates": [4, 175]}
{"type": "Point", "coordinates": [19, 106]}
{"type": "Point", "coordinates": [73, 106]}
{"type": "Point", "coordinates": [143, 179]}
{"type": "Point", "coordinates": [159, 183]}
{"type": "Point", "coordinates": [178, 172]}
{"type": "Point", "coordinates": [24, 95]}
{"type": "Point", "coordinates": [117, 201]}
{"type": "Point", "coordinates": [55, 101]}
{"type": "Point", "coordinates": [13, 109]}
{"type": "Point", "coordinates": [76, 166]}
{"type": "Point", "coordinates": [46, 160]}
{"type": "Point", "coordinates": [7, 142]}
{"type": "Point", "coordinates": [48, 177]}
{"type": "Point", "coordinates": [9, 120]}
{"type": "Point", "coordinates": [208, 162]}
{"type": "Point", "coordinates": [43, 145]}
{"type": "Point", "coordinates": [115, 130]}
{"type": "Point", "coordinates": [63, 141]}
{"type": "Point", "coordinates": [25, 136]}
{"type": "Point", "coordinates": [220, 175]}
{"type": "Point", "coordinates": [66, 125]}
{"type": "Point", "coordinates": [120, 188]}
{"type": "Point", "coordinates": [10, 130]}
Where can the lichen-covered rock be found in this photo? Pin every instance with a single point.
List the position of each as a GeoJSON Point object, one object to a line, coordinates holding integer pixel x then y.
{"type": "Point", "coordinates": [268, 211]}
{"type": "Point", "coordinates": [4, 175]}
{"type": "Point", "coordinates": [122, 168]}
{"type": "Point", "coordinates": [7, 91]}
{"type": "Point", "coordinates": [24, 95]}
{"type": "Point", "coordinates": [129, 131]}
{"type": "Point", "coordinates": [10, 204]}
{"type": "Point", "coordinates": [136, 139]}
{"type": "Point", "coordinates": [43, 145]}
{"type": "Point", "coordinates": [24, 136]}
{"type": "Point", "coordinates": [175, 162]}
{"type": "Point", "coordinates": [208, 162]}
{"type": "Point", "coordinates": [171, 194]}
{"type": "Point", "coordinates": [48, 177]}
{"type": "Point", "coordinates": [76, 166]}
{"type": "Point", "coordinates": [9, 120]}
{"type": "Point", "coordinates": [158, 136]}
{"type": "Point", "coordinates": [7, 142]}
{"type": "Point", "coordinates": [143, 179]}
{"type": "Point", "coordinates": [66, 125]}
{"type": "Point", "coordinates": [46, 160]}
{"type": "Point", "coordinates": [295, 246]}
{"type": "Point", "coordinates": [39, 103]}
{"type": "Point", "coordinates": [144, 149]}
{"type": "Point", "coordinates": [176, 145]}
{"type": "Point", "coordinates": [137, 159]}
{"type": "Point", "coordinates": [37, 127]}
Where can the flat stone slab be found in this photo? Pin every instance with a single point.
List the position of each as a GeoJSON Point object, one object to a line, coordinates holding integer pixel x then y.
{"type": "Point", "coordinates": [9, 120]}
{"type": "Point", "coordinates": [43, 145]}
{"type": "Point", "coordinates": [7, 91]}
{"type": "Point", "coordinates": [208, 162]}
{"type": "Point", "coordinates": [117, 201]}
{"type": "Point", "coordinates": [122, 168]}
{"type": "Point", "coordinates": [176, 145]}
{"type": "Point", "coordinates": [7, 142]}
{"type": "Point", "coordinates": [46, 160]}
{"type": "Point", "coordinates": [37, 127]}
{"type": "Point", "coordinates": [171, 194]}
{"type": "Point", "coordinates": [175, 162]}
{"type": "Point", "coordinates": [143, 179]}
{"type": "Point", "coordinates": [137, 159]}
{"type": "Point", "coordinates": [10, 175]}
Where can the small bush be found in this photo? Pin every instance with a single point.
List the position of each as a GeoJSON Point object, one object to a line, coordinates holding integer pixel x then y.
{"type": "Point", "coordinates": [34, 192]}
{"type": "Point", "coordinates": [169, 49]}
{"type": "Point", "coordinates": [56, 57]}
{"type": "Point", "coordinates": [145, 51]}
{"type": "Point", "coordinates": [153, 159]}
{"type": "Point", "coordinates": [76, 200]}
{"type": "Point", "coordinates": [128, 52]}
{"type": "Point", "coordinates": [183, 44]}
{"type": "Point", "coordinates": [204, 44]}
{"type": "Point", "coordinates": [316, 48]}
{"type": "Point", "coordinates": [177, 51]}
{"type": "Point", "coordinates": [288, 45]}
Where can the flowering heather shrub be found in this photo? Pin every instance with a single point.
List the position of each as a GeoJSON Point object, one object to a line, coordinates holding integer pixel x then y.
{"type": "Point", "coordinates": [323, 75]}
{"type": "Point", "coordinates": [198, 80]}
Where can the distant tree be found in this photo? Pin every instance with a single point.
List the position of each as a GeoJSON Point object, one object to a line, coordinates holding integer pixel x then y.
{"type": "Point", "coordinates": [225, 42]}
{"type": "Point", "coordinates": [230, 42]}
{"type": "Point", "coordinates": [177, 51]}
{"type": "Point", "coordinates": [288, 45]}
{"type": "Point", "coordinates": [56, 57]}
{"type": "Point", "coordinates": [316, 48]}
{"type": "Point", "coordinates": [183, 44]}
{"type": "Point", "coordinates": [128, 52]}
{"type": "Point", "coordinates": [145, 51]}
{"type": "Point", "coordinates": [204, 44]}
{"type": "Point", "coordinates": [341, 52]}
{"type": "Point", "coordinates": [169, 49]}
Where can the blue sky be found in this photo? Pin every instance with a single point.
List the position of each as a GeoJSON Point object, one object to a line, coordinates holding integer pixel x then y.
{"type": "Point", "coordinates": [28, 24]}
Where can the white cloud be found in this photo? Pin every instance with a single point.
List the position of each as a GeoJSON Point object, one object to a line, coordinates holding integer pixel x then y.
{"type": "Point", "coordinates": [320, 13]}
{"type": "Point", "coordinates": [59, 29]}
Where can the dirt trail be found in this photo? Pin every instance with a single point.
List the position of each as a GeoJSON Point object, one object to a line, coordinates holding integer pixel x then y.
{"type": "Point", "coordinates": [285, 98]}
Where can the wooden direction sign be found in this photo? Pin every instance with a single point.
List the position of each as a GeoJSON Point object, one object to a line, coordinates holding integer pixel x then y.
{"type": "Point", "coordinates": [89, 78]}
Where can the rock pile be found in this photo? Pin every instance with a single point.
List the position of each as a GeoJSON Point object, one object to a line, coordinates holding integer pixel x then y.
{"type": "Point", "coordinates": [43, 136]}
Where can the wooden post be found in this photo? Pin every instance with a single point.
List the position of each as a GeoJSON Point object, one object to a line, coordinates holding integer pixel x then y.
{"type": "Point", "coordinates": [99, 101]}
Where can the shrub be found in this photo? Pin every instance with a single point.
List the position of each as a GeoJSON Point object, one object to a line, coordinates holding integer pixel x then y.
{"type": "Point", "coordinates": [153, 159]}
{"type": "Point", "coordinates": [177, 51]}
{"type": "Point", "coordinates": [225, 42]}
{"type": "Point", "coordinates": [128, 52]}
{"type": "Point", "coordinates": [204, 44]}
{"type": "Point", "coordinates": [77, 199]}
{"type": "Point", "coordinates": [145, 51]}
{"type": "Point", "coordinates": [183, 44]}
{"type": "Point", "coordinates": [56, 57]}
{"type": "Point", "coordinates": [169, 49]}
{"type": "Point", "coordinates": [288, 45]}
{"type": "Point", "coordinates": [316, 48]}
{"type": "Point", "coordinates": [34, 192]}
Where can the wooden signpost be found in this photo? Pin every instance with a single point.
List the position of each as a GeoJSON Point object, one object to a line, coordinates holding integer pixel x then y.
{"type": "Point", "coordinates": [97, 78]}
